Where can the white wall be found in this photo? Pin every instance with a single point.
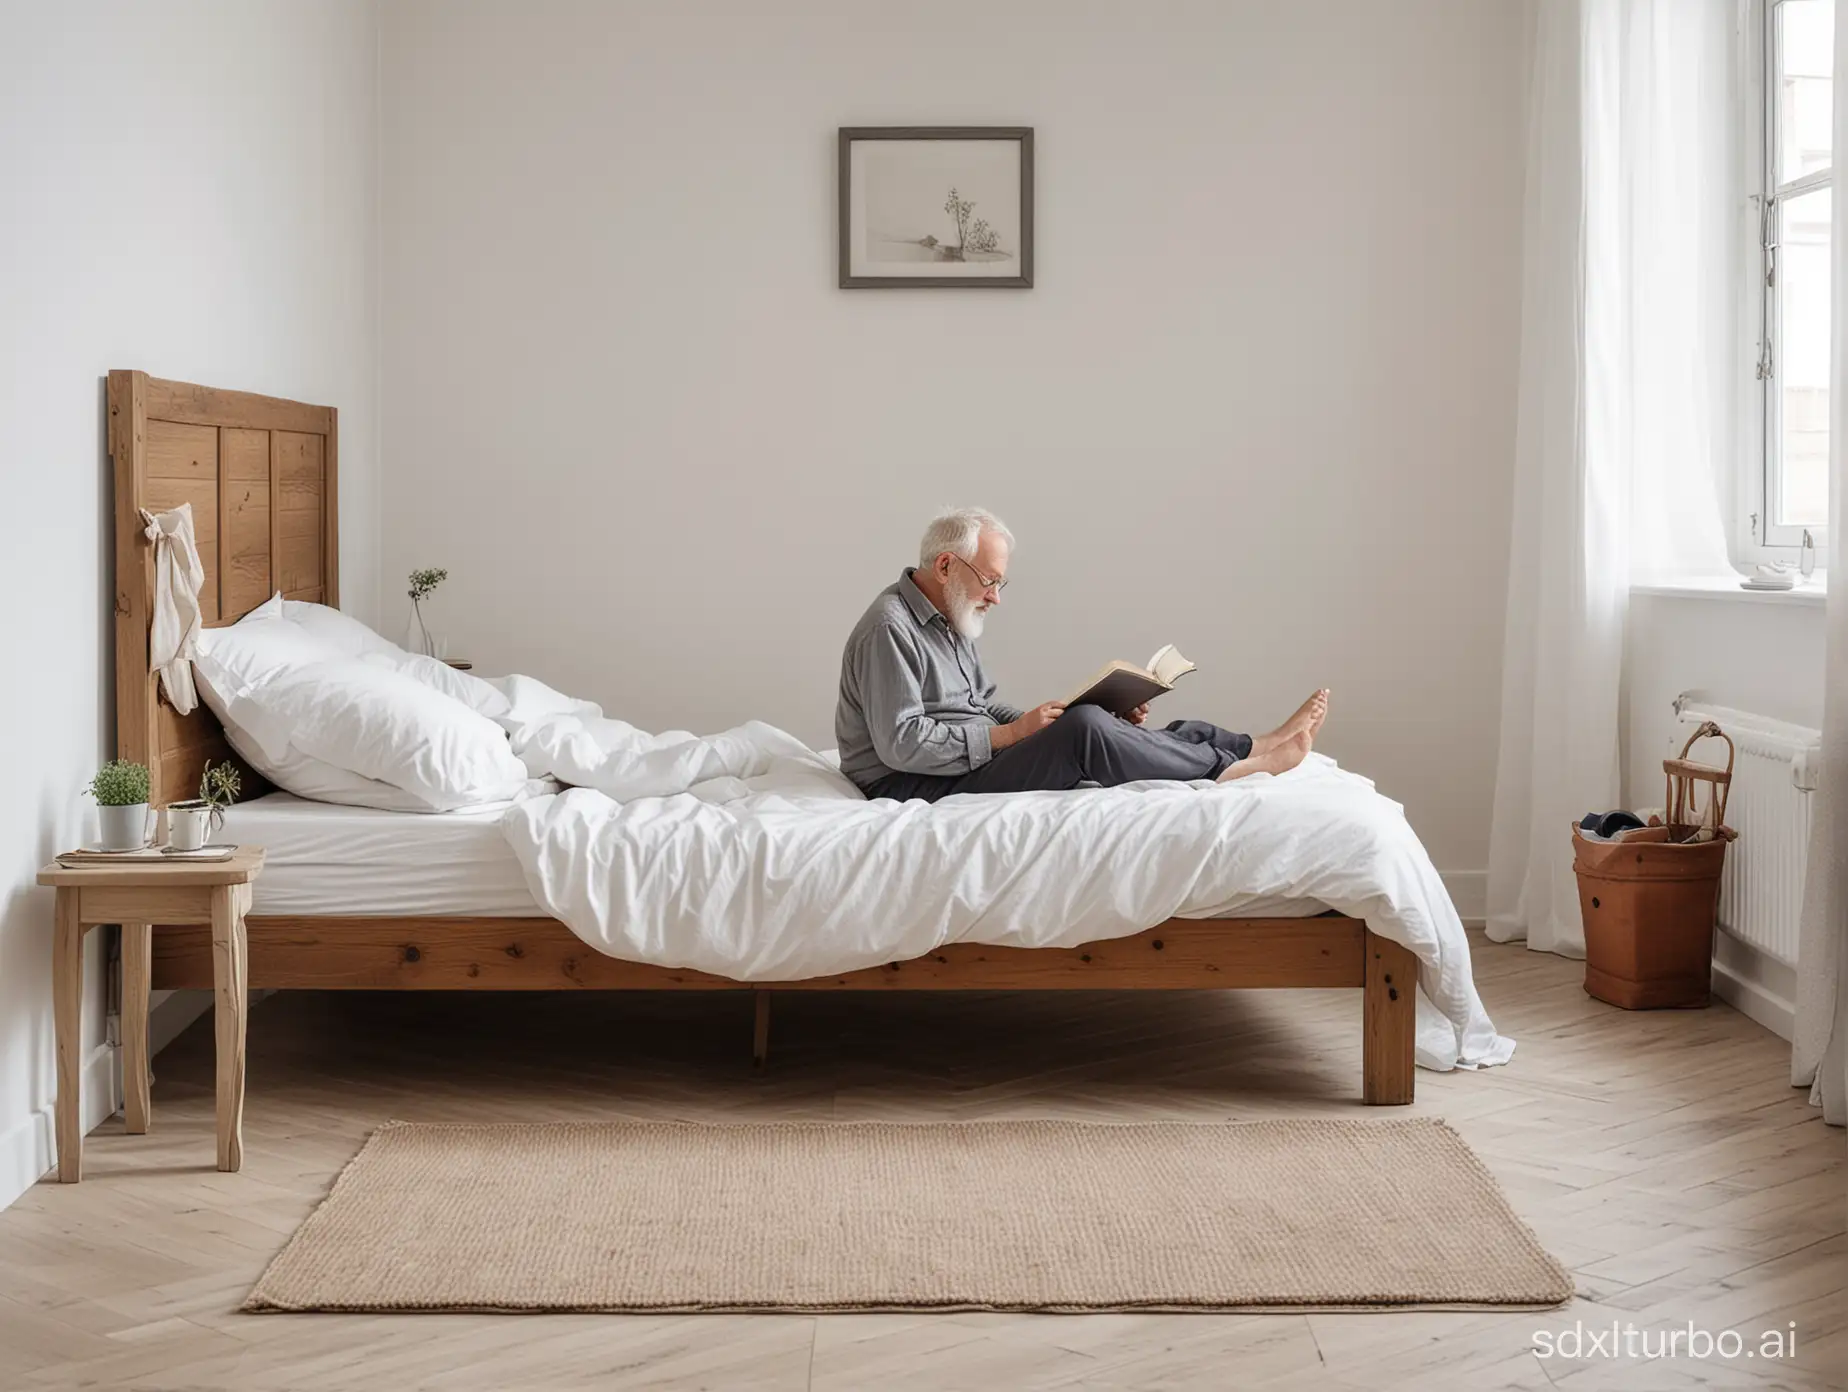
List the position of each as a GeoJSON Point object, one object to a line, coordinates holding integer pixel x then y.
{"type": "Point", "coordinates": [190, 189]}
{"type": "Point", "coordinates": [1260, 403]}
{"type": "Point", "coordinates": [1758, 653]}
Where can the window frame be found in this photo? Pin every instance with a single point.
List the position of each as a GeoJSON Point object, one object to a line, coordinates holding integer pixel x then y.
{"type": "Point", "coordinates": [1761, 537]}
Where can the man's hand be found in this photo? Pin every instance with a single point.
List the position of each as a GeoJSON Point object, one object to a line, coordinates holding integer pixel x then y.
{"type": "Point", "coordinates": [1031, 723]}
{"type": "Point", "coordinates": [1138, 715]}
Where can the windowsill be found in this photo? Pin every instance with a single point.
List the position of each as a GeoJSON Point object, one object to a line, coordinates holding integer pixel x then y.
{"type": "Point", "coordinates": [1813, 592]}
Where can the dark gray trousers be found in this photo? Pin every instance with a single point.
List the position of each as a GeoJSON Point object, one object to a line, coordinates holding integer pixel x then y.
{"type": "Point", "coordinates": [1086, 744]}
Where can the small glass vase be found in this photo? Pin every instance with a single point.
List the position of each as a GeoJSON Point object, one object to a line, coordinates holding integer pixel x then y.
{"type": "Point", "coordinates": [419, 637]}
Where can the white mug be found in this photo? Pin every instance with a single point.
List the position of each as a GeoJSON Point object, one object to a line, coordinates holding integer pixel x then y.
{"type": "Point", "coordinates": [190, 825]}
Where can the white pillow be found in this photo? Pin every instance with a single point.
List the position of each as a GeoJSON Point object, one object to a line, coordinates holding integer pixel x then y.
{"type": "Point", "coordinates": [355, 639]}
{"type": "Point", "coordinates": [318, 719]}
{"type": "Point", "coordinates": [478, 695]}
{"type": "Point", "coordinates": [234, 661]}
{"type": "Point", "coordinates": [250, 651]}
{"type": "Point", "coordinates": [340, 631]}
{"type": "Point", "coordinates": [320, 781]}
{"type": "Point", "coordinates": [383, 725]}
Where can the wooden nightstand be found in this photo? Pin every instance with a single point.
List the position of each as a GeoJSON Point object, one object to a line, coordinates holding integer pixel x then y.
{"type": "Point", "coordinates": [138, 897]}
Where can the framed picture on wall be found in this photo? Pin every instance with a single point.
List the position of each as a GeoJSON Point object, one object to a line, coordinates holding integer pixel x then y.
{"type": "Point", "coordinates": [942, 206]}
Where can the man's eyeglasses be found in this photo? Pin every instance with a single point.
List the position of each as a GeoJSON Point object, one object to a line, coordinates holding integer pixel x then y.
{"type": "Point", "coordinates": [997, 584]}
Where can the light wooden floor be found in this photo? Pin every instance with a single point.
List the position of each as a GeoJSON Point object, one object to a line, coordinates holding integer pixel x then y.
{"type": "Point", "coordinates": [1661, 1156]}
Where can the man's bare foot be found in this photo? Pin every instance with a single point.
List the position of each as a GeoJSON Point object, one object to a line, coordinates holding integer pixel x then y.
{"type": "Point", "coordinates": [1317, 706]}
{"type": "Point", "coordinates": [1307, 720]}
{"type": "Point", "coordinates": [1280, 758]}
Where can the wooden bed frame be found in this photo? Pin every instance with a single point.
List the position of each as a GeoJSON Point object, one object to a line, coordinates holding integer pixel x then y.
{"type": "Point", "coordinates": [261, 475]}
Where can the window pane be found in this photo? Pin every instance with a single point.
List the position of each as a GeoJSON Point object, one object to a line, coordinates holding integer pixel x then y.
{"type": "Point", "coordinates": [1806, 53]}
{"type": "Point", "coordinates": [1802, 364]}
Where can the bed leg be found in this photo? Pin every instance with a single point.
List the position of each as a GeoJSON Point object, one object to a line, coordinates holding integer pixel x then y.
{"type": "Point", "coordinates": [1388, 1023]}
{"type": "Point", "coordinates": [760, 1030]}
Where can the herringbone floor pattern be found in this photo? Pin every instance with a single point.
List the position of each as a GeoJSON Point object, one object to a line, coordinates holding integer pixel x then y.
{"type": "Point", "coordinates": [1660, 1156]}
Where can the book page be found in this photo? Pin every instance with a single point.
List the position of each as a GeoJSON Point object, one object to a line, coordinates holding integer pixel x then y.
{"type": "Point", "coordinates": [1167, 665]}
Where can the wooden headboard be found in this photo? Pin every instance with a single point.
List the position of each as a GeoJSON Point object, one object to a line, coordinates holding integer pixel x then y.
{"type": "Point", "coordinates": [260, 475]}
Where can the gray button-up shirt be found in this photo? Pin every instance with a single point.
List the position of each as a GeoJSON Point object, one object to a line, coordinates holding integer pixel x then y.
{"type": "Point", "coordinates": [914, 698]}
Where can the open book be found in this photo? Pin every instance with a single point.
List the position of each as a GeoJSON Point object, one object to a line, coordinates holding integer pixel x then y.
{"type": "Point", "coordinates": [1122, 686]}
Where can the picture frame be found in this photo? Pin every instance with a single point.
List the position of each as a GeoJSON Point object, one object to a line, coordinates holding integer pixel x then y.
{"type": "Point", "coordinates": [908, 197]}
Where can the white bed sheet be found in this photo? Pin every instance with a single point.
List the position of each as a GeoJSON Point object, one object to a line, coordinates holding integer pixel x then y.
{"type": "Point", "coordinates": [321, 858]}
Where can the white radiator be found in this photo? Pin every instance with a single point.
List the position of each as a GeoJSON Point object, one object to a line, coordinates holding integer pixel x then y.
{"type": "Point", "coordinates": [1761, 895]}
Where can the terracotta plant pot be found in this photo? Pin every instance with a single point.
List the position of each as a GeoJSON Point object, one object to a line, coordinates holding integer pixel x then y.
{"type": "Point", "coordinates": [1648, 907]}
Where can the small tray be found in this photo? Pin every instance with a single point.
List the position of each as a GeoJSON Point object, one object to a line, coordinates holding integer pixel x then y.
{"type": "Point", "coordinates": [148, 854]}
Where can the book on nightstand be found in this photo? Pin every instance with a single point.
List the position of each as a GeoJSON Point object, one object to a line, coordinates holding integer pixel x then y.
{"type": "Point", "coordinates": [1122, 686]}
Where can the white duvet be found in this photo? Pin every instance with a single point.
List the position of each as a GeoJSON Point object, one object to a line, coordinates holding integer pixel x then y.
{"type": "Point", "coordinates": [749, 856]}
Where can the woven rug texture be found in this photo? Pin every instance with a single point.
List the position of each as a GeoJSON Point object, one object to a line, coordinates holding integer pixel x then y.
{"type": "Point", "coordinates": [1053, 1216]}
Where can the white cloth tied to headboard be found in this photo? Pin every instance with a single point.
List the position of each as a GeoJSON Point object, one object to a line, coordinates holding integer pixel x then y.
{"type": "Point", "coordinates": [178, 577]}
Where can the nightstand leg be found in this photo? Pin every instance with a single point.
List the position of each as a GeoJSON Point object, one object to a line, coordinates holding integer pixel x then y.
{"type": "Point", "coordinates": [230, 975]}
{"type": "Point", "coordinates": [137, 952]}
{"type": "Point", "coordinates": [67, 1010]}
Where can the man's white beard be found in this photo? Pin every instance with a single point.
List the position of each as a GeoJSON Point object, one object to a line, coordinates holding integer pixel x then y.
{"type": "Point", "coordinates": [966, 614]}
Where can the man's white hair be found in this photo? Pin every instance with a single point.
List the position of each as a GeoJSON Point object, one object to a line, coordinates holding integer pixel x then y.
{"type": "Point", "coordinates": [958, 530]}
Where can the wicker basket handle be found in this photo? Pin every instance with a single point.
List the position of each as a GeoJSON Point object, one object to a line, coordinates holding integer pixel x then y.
{"type": "Point", "coordinates": [1708, 730]}
{"type": "Point", "coordinates": [1678, 801]}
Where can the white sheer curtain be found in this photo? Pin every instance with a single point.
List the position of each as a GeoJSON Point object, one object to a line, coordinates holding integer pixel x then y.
{"type": "Point", "coordinates": [1627, 338]}
{"type": "Point", "coordinates": [1819, 1051]}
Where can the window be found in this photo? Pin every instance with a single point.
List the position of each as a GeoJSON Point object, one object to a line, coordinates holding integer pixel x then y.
{"type": "Point", "coordinates": [1789, 495]}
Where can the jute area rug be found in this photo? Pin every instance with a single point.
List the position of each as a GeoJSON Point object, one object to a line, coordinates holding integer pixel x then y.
{"type": "Point", "coordinates": [987, 1215]}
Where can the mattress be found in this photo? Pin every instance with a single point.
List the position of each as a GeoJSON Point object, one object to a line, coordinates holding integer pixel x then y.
{"type": "Point", "coordinates": [326, 859]}
{"type": "Point", "coordinates": [321, 858]}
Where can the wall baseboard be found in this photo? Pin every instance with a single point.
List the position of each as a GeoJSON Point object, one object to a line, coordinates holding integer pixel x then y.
{"type": "Point", "coordinates": [1754, 1001]}
{"type": "Point", "coordinates": [30, 1150]}
{"type": "Point", "coordinates": [1469, 891]}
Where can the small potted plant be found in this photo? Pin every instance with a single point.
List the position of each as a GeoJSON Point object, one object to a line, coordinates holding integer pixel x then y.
{"type": "Point", "coordinates": [121, 792]}
{"type": "Point", "coordinates": [192, 823]}
{"type": "Point", "coordinates": [423, 584]}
